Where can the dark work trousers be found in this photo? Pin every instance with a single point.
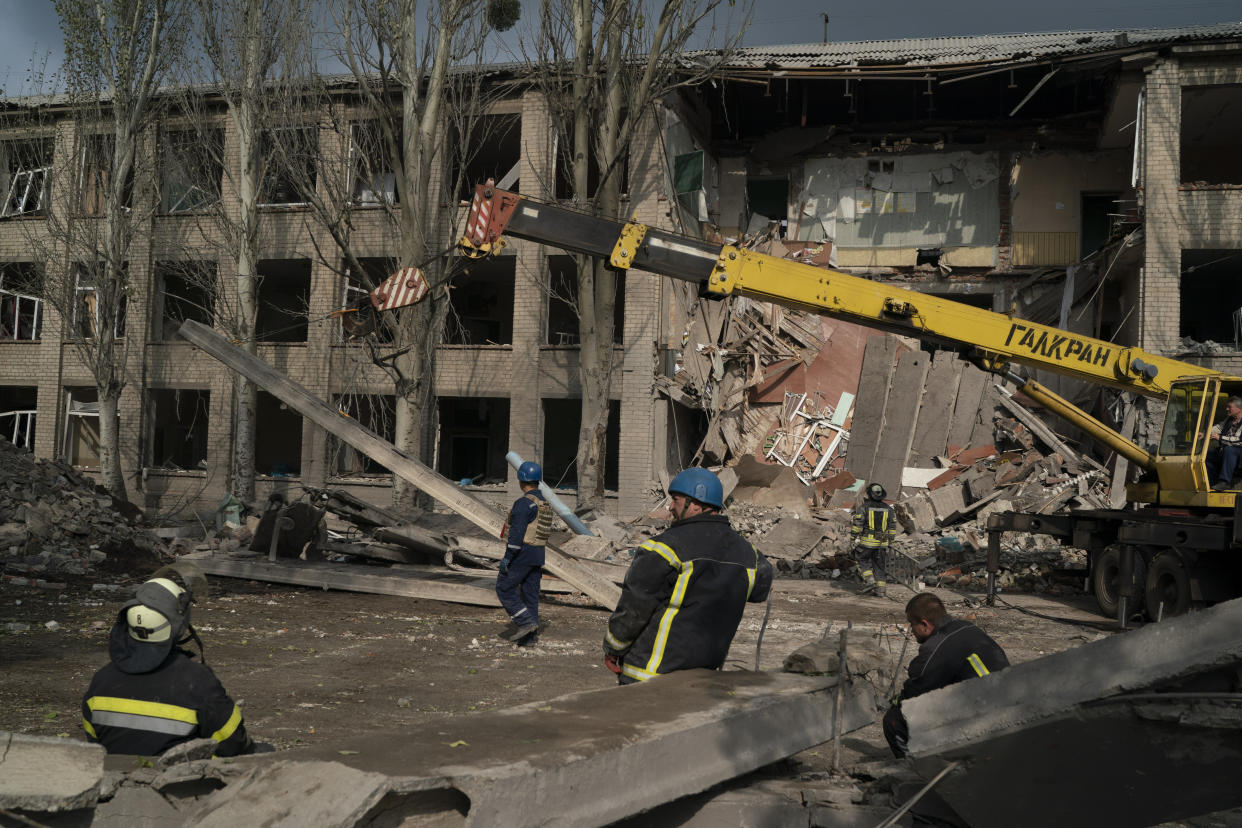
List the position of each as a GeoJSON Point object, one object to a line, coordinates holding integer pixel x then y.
{"type": "Point", "coordinates": [874, 559]}
{"type": "Point", "coordinates": [896, 731]}
{"type": "Point", "coordinates": [518, 591]}
{"type": "Point", "coordinates": [1222, 463]}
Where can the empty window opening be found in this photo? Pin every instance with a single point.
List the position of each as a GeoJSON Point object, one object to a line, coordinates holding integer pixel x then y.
{"type": "Point", "coordinates": [277, 438]}
{"type": "Point", "coordinates": [82, 426]}
{"type": "Point", "coordinates": [178, 428]}
{"type": "Point", "coordinates": [377, 412]}
{"type": "Point", "coordinates": [494, 151]}
{"type": "Point", "coordinates": [768, 198]}
{"type": "Point", "coordinates": [284, 297]}
{"type": "Point", "coordinates": [356, 292]}
{"type": "Point", "coordinates": [18, 409]}
{"type": "Point", "coordinates": [27, 169]}
{"type": "Point", "coordinates": [1211, 122]}
{"type": "Point", "coordinates": [290, 160]}
{"type": "Point", "coordinates": [686, 429]}
{"type": "Point", "coordinates": [90, 304]}
{"type": "Point", "coordinates": [1100, 214]}
{"type": "Point", "coordinates": [95, 177]}
{"type": "Point", "coordinates": [563, 303]}
{"type": "Point", "coordinates": [191, 168]}
{"type": "Point", "coordinates": [482, 303]}
{"type": "Point", "coordinates": [184, 290]}
{"type": "Point", "coordinates": [562, 420]}
{"type": "Point", "coordinates": [565, 174]}
{"type": "Point", "coordinates": [975, 300]}
{"type": "Point", "coordinates": [474, 438]}
{"type": "Point", "coordinates": [21, 309]}
{"type": "Point", "coordinates": [374, 182]}
{"type": "Point", "coordinates": [1211, 296]}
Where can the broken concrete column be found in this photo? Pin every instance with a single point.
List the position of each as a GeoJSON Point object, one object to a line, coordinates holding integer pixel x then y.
{"type": "Point", "coordinates": [38, 773]}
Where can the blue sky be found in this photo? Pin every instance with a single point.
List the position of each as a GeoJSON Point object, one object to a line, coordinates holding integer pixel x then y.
{"type": "Point", "coordinates": [30, 32]}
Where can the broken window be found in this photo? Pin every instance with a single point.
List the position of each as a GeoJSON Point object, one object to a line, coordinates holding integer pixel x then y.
{"type": "Point", "coordinates": [357, 289]}
{"type": "Point", "coordinates": [1209, 134]}
{"type": "Point", "coordinates": [277, 438]}
{"type": "Point", "coordinates": [28, 177]}
{"type": "Point", "coordinates": [178, 428]}
{"type": "Point", "coordinates": [183, 290]}
{"type": "Point", "coordinates": [474, 438]}
{"type": "Point", "coordinates": [377, 412]}
{"type": "Point", "coordinates": [18, 408]}
{"type": "Point", "coordinates": [482, 303]}
{"type": "Point", "coordinates": [284, 296]}
{"type": "Point", "coordinates": [96, 176]}
{"type": "Point", "coordinates": [562, 420]}
{"type": "Point", "coordinates": [374, 182]}
{"type": "Point", "coordinates": [768, 198]}
{"type": "Point", "coordinates": [563, 303]}
{"type": "Point", "coordinates": [86, 310]}
{"type": "Point", "coordinates": [1211, 296]}
{"type": "Point", "coordinates": [495, 152]}
{"type": "Point", "coordinates": [290, 158]}
{"type": "Point", "coordinates": [191, 169]}
{"type": "Point", "coordinates": [82, 426]}
{"type": "Point", "coordinates": [21, 309]}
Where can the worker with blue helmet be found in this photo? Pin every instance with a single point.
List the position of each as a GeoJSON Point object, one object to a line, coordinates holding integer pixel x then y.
{"type": "Point", "coordinates": [521, 569]}
{"type": "Point", "coordinates": [686, 589]}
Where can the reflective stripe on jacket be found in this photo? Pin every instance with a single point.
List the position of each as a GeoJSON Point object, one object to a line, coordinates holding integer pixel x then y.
{"type": "Point", "coordinates": [955, 651]}
{"type": "Point", "coordinates": [683, 598]}
{"type": "Point", "coordinates": [145, 714]}
{"type": "Point", "coordinates": [873, 525]}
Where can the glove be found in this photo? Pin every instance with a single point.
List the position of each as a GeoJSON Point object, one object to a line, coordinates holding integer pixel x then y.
{"type": "Point", "coordinates": [613, 664]}
{"type": "Point", "coordinates": [504, 567]}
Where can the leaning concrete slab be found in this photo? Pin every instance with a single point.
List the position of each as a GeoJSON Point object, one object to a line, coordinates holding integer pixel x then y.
{"type": "Point", "coordinates": [1135, 729]}
{"type": "Point", "coordinates": [581, 760]}
{"type": "Point", "coordinates": [38, 773]}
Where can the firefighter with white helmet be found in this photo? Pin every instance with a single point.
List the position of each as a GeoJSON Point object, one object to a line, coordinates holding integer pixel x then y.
{"type": "Point", "coordinates": [153, 695]}
{"type": "Point", "coordinates": [872, 530]}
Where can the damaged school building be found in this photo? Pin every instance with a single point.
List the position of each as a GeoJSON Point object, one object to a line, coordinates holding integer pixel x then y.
{"type": "Point", "coordinates": [1087, 180]}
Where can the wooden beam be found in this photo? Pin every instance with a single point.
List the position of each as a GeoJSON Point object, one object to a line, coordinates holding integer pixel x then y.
{"type": "Point", "coordinates": [386, 454]}
{"type": "Point", "coordinates": [1043, 432]}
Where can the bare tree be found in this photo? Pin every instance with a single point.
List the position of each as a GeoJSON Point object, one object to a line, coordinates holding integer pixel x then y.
{"type": "Point", "coordinates": [117, 55]}
{"type": "Point", "coordinates": [604, 66]}
{"type": "Point", "coordinates": [416, 76]}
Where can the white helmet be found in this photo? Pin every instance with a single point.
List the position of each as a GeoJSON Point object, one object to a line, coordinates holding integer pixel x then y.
{"type": "Point", "coordinates": [151, 625]}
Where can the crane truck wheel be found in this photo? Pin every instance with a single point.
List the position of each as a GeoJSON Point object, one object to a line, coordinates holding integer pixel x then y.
{"type": "Point", "coordinates": [1106, 579]}
{"type": "Point", "coordinates": [1168, 586]}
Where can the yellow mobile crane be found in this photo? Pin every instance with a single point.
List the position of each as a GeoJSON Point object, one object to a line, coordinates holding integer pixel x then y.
{"type": "Point", "coordinates": [1175, 548]}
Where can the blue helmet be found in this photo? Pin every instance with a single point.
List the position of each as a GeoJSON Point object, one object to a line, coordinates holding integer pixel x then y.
{"type": "Point", "coordinates": [529, 472]}
{"type": "Point", "coordinates": [700, 484]}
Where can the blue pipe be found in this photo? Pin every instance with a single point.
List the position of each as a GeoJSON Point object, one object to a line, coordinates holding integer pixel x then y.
{"type": "Point", "coordinates": [572, 520]}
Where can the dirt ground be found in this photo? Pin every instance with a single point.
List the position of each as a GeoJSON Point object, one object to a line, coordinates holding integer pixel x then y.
{"type": "Point", "coordinates": [311, 666]}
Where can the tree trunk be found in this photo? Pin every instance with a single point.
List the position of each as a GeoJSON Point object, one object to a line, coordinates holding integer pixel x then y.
{"type": "Point", "coordinates": [109, 439]}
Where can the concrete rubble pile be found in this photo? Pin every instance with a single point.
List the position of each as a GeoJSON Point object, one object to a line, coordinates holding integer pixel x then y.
{"type": "Point", "coordinates": [55, 523]}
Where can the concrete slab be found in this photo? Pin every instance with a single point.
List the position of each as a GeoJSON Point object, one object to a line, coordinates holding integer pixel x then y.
{"type": "Point", "coordinates": [558, 763]}
{"type": "Point", "coordinates": [135, 806]}
{"type": "Point", "coordinates": [931, 429]}
{"type": "Point", "coordinates": [39, 773]}
{"type": "Point", "coordinates": [1134, 729]}
{"type": "Point", "coordinates": [966, 408]}
{"type": "Point", "coordinates": [900, 412]}
{"type": "Point", "coordinates": [873, 386]}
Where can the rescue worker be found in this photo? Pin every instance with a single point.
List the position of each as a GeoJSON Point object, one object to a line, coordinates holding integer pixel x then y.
{"type": "Point", "coordinates": [871, 532]}
{"type": "Point", "coordinates": [950, 650]}
{"type": "Point", "coordinates": [1223, 460]}
{"type": "Point", "coordinates": [684, 593]}
{"type": "Point", "coordinates": [152, 695]}
{"type": "Point", "coordinates": [521, 568]}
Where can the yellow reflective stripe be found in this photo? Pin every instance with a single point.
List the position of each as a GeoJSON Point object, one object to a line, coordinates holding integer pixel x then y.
{"type": "Point", "coordinates": [614, 642]}
{"type": "Point", "coordinates": [866, 573]}
{"type": "Point", "coordinates": [750, 582]}
{"type": "Point", "coordinates": [636, 673]}
{"type": "Point", "coordinates": [666, 622]}
{"type": "Point", "coordinates": [87, 725]}
{"type": "Point", "coordinates": [664, 551]}
{"type": "Point", "coordinates": [871, 519]}
{"type": "Point", "coordinates": [159, 710]}
{"type": "Point", "coordinates": [977, 663]}
{"type": "Point", "coordinates": [229, 727]}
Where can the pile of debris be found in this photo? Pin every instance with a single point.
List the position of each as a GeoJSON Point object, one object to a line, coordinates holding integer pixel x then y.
{"type": "Point", "coordinates": [56, 523]}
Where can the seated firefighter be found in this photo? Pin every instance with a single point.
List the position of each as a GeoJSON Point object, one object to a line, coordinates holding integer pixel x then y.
{"type": "Point", "coordinates": [152, 695]}
{"type": "Point", "coordinates": [950, 651]}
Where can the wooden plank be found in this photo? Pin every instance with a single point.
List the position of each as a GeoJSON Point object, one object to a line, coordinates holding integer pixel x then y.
{"type": "Point", "coordinates": [459, 589]}
{"type": "Point", "coordinates": [386, 454]}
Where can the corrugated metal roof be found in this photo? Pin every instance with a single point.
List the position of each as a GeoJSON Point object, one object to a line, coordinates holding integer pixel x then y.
{"type": "Point", "coordinates": [947, 51]}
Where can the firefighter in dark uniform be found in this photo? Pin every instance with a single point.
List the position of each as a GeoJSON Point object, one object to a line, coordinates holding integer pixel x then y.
{"type": "Point", "coordinates": [950, 651]}
{"type": "Point", "coordinates": [153, 695]}
{"type": "Point", "coordinates": [521, 568]}
{"type": "Point", "coordinates": [871, 532]}
{"type": "Point", "coordinates": [684, 593]}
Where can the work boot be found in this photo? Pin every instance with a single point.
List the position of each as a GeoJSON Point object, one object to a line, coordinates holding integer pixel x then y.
{"type": "Point", "coordinates": [881, 590]}
{"type": "Point", "coordinates": [530, 640]}
{"type": "Point", "coordinates": [522, 631]}
{"type": "Point", "coordinates": [869, 588]}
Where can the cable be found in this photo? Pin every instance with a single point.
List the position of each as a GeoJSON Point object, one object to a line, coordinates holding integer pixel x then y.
{"type": "Point", "coordinates": [762, 627]}
{"type": "Point", "coordinates": [1097, 625]}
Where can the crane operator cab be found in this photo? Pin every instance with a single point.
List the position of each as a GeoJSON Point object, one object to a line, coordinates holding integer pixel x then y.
{"type": "Point", "coordinates": [1193, 465]}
